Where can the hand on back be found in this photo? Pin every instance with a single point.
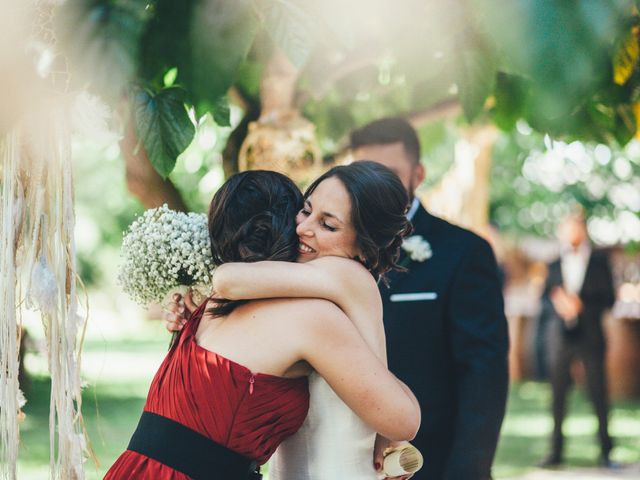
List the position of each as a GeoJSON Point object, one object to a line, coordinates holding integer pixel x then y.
{"type": "Point", "coordinates": [178, 311]}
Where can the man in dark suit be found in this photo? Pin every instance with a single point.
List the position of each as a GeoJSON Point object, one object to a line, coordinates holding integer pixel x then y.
{"type": "Point", "coordinates": [444, 320]}
{"type": "Point", "coordinates": [578, 290]}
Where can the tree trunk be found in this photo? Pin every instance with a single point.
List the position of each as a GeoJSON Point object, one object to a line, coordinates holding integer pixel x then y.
{"type": "Point", "coordinates": [281, 140]}
{"type": "Point", "coordinates": [462, 196]}
{"type": "Point", "coordinates": [238, 135]}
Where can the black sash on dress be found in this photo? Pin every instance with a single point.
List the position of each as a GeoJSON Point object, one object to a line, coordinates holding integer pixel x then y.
{"type": "Point", "coordinates": [188, 451]}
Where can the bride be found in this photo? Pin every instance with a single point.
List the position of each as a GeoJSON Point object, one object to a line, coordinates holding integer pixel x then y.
{"type": "Point", "coordinates": [344, 229]}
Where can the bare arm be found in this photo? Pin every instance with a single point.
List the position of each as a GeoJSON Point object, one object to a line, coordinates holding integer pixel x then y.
{"type": "Point", "coordinates": [330, 278]}
{"type": "Point", "coordinates": [340, 280]}
{"type": "Point", "coordinates": [335, 349]}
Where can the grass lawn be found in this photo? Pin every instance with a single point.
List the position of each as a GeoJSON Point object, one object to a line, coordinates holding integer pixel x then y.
{"type": "Point", "coordinates": [527, 426]}
{"type": "Point", "coordinates": [119, 374]}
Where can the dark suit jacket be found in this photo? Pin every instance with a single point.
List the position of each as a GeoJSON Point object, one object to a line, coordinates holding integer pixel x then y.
{"type": "Point", "coordinates": [451, 350]}
{"type": "Point", "coordinates": [597, 295]}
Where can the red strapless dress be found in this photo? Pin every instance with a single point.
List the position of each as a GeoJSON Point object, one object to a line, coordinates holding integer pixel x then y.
{"type": "Point", "coordinates": [250, 413]}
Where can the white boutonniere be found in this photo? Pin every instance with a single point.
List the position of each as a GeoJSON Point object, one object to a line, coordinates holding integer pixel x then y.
{"type": "Point", "coordinates": [417, 248]}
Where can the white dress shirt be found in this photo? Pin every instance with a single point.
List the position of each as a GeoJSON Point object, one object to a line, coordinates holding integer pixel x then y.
{"type": "Point", "coordinates": [413, 209]}
{"type": "Point", "coordinates": [574, 266]}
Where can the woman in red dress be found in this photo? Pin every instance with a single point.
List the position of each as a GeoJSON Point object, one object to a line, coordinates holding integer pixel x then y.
{"type": "Point", "coordinates": [208, 413]}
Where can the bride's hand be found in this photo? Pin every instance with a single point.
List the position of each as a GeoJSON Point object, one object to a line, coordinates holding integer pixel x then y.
{"type": "Point", "coordinates": [382, 445]}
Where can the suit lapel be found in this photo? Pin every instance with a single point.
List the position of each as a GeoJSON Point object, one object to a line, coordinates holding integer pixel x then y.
{"type": "Point", "coordinates": [422, 222]}
{"type": "Point", "coordinates": [556, 277]}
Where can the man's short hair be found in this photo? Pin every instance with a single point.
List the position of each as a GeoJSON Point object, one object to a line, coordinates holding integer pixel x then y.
{"type": "Point", "coordinates": [387, 131]}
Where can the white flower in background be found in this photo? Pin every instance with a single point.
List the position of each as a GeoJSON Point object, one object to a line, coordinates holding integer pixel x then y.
{"type": "Point", "coordinates": [163, 250]}
{"type": "Point", "coordinates": [417, 248]}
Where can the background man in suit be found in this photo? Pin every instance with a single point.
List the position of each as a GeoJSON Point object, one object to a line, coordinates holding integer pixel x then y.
{"type": "Point", "coordinates": [578, 290]}
{"type": "Point", "coordinates": [444, 321]}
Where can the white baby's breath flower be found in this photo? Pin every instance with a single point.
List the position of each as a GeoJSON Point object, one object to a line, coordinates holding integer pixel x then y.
{"type": "Point", "coordinates": [162, 250]}
{"type": "Point", "coordinates": [417, 248]}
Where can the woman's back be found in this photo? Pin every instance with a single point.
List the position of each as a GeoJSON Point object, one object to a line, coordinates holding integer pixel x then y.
{"type": "Point", "coordinates": [247, 412]}
{"type": "Point", "coordinates": [261, 334]}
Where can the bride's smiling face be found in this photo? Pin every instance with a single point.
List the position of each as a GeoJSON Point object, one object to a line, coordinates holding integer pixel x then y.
{"type": "Point", "coordinates": [324, 223]}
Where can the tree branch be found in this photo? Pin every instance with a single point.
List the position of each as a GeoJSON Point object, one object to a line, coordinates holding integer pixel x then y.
{"type": "Point", "coordinates": [445, 109]}
{"type": "Point", "coordinates": [322, 81]}
{"type": "Point", "coordinates": [237, 136]}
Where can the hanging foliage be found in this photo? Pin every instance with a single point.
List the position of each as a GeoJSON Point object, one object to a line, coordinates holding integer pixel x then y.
{"type": "Point", "coordinates": [569, 69]}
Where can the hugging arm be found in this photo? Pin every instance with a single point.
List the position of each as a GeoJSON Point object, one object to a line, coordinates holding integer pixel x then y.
{"type": "Point", "coordinates": [340, 280]}
{"type": "Point", "coordinates": [335, 349]}
{"type": "Point", "coordinates": [325, 278]}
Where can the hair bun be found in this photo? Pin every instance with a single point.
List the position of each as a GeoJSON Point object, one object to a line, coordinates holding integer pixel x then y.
{"type": "Point", "coordinates": [254, 239]}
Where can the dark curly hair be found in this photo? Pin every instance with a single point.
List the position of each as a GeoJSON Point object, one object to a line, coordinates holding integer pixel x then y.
{"type": "Point", "coordinates": [379, 205]}
{"type": "Point", "coordinates": [252, 218]}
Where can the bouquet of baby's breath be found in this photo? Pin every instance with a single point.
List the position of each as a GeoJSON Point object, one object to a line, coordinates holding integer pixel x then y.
{"type": "Point", "coordinates": [162, 250]}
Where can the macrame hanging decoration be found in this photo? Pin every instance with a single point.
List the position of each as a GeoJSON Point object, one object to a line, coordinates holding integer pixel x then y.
{"type": "Point", "coordinates": [37, 259]}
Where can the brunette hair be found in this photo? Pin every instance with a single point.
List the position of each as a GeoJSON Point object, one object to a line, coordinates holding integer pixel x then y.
{"type": "Point", "coordinates": [379, 205]}
{"type": "Point", "coordinates": [387, 131]}
{"type": "Point", "coordinates": [252, 218]}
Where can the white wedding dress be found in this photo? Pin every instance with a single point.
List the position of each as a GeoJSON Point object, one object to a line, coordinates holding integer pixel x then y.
{"type": "Point", "coordinates": [332, 444]}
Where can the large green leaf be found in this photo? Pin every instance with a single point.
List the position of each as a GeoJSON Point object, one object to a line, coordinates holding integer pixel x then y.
{"type": "Point", "coordinates": [476, 80]}
{"type": "Point", "coordinates": [562, 47]}
{"type": "Point", "coordinates": [221, 34]}
{"type": "Point", "coordinates": [163, 126]}
{"type": "Point", "coordinates": [165, 43]}
{"type": "Point", "coordinates": [101, 39]}
{"type": "Point", "coordinates": [511, 97]}
{"type": "Point", "coordinates": [292, 28]}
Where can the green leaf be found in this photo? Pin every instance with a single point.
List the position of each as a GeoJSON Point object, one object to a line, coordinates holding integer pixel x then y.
{"type": "Point", "coordinates": [291, 28]}
{"type": "Point", "coordinates": [476, 81]}
{"type": "Point", "coordinates": [101, 39]}
{"type": "Point", "coordinates": [165, 43]}
{"type": "Point", "coordinates": [511, 98]}
{"type": "Point", "coordinates": [221, 34]}
{"type": "Point", "coordinates": [221, 112]}
{"type": "Point", "coordinates": [170, 77]}
{"type": "Point", "coordinates": [625, 127]}
{"type": "Point", "coordinates": [163, 126]}
{"type": "Point", "coordinates": [602, 115]}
